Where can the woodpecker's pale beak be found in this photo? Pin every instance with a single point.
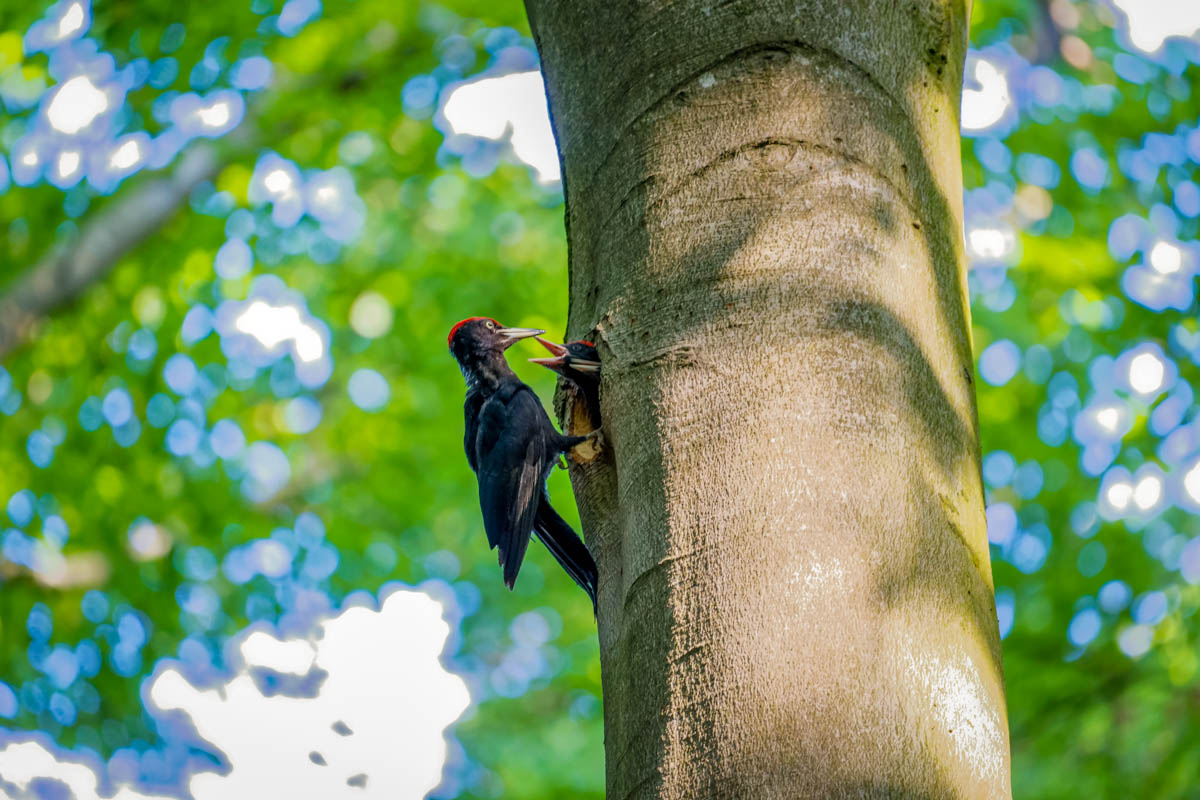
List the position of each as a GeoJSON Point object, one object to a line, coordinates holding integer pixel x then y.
{"type": "Point", "coordinates": [514, 335]}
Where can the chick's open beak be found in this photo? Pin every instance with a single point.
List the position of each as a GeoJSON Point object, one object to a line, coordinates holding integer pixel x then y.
{"type": "Point", "coordinates": [559, 358]}
{"type": "Point", "coordinates": [556, 349]}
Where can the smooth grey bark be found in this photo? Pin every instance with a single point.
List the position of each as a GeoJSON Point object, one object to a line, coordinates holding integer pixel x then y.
{"type": "Point", "coordinates": [764, 223]}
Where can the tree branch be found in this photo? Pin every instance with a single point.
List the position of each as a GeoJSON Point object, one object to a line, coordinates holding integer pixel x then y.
{"type": "Point", "coordinates": [1047, 37]}
{"type": "Point", "coordinates": [130, 219]}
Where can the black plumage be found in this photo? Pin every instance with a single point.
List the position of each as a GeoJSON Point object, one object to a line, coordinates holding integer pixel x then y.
{"type": "Point", "coordinates": [512, 446]}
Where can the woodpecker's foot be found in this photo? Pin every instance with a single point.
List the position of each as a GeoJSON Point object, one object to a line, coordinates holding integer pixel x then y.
{"type": "Point", "coordinates": [589, 449]}
{"type": "Point", "coordinates": [562, 463]}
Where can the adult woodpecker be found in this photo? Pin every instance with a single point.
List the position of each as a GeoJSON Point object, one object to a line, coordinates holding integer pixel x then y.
{"type": "Point", "coordinates": [579, 363]}
{"type": "Point", "coordinates": [512, 446]}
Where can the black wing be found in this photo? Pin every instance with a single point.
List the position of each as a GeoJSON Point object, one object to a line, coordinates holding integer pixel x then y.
{"type": "Point", "coordinates": [566, 547]}
{"type": "Point", "coordinates": [471, 412]}
{"type": "Point", "coordinates": [511, 452]}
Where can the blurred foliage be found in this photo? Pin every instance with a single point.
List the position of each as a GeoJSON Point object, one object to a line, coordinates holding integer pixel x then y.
{"type": "Point", "coordinates": [391, 487]}
{"type": "Point", "coordinates": [1101, 660]}
{"type": "Point", "coordinates": [117, 515]}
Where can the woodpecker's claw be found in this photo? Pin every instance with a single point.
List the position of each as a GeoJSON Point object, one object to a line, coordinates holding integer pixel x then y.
{"type": "Point", "coordinates": [589, 449]}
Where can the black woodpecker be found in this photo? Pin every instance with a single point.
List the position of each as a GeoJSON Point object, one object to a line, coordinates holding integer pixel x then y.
{"type": "Point", "coordinates": [512, 446]}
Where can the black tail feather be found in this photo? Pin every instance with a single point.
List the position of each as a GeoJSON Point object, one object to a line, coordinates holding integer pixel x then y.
{"type": "Point", "coordinates": [566, 547]}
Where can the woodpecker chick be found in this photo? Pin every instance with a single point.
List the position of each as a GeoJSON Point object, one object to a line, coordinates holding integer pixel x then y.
{"type": "Point", "coordinates": [579, 363]}
{"type": "Point", "coordinates": [512, 447]}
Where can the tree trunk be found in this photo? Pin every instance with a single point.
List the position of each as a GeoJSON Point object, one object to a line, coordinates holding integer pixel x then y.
{"type": "Point", "coordinates": [764, 220]}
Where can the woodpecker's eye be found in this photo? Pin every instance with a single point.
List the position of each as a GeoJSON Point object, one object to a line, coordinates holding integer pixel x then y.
{"type": "Point", "coordinates": [491, 326]}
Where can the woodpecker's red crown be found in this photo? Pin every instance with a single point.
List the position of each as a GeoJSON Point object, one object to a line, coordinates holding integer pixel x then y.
{"type": "Point", "coordinates": [454, 330]}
